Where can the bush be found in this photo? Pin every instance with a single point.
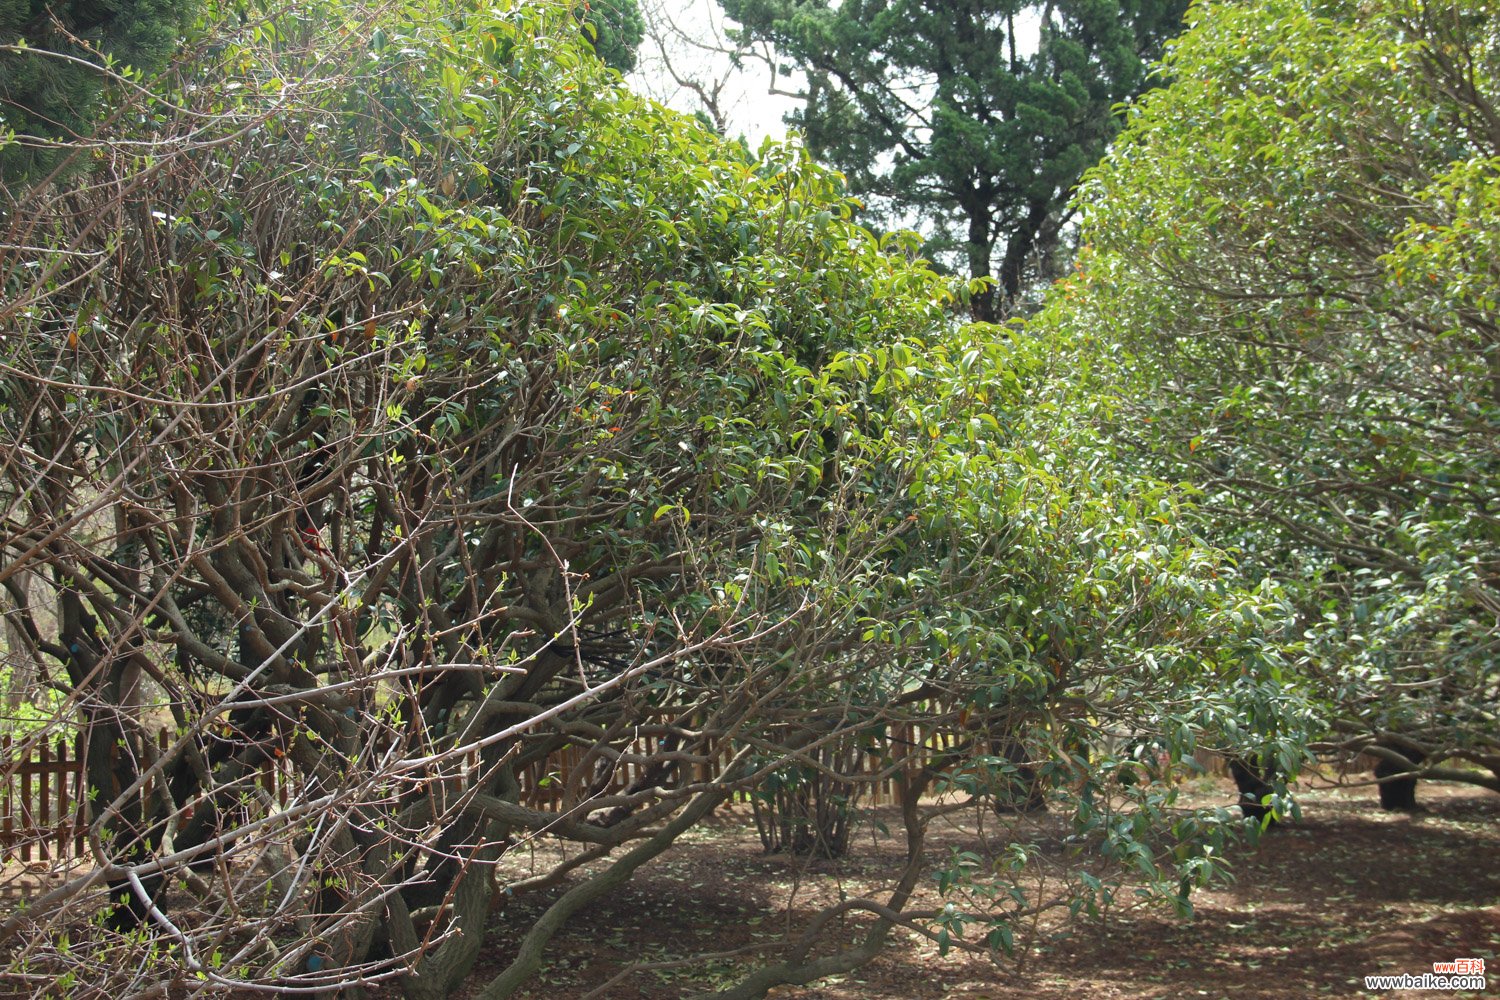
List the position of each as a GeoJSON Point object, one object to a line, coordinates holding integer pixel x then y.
{"type": "Point", "coordinates": [1291, 294]}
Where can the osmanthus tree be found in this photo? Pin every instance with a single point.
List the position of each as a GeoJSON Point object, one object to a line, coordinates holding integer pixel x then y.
{"type": "Point", "coordinates": [975, 118]}
{"type": "Point", "coordinates": [408, 403]}
{"type": "Point", "coordinates": [405, 404]}
{"type": "Point", "coordinates": [1292, 285]}
{"type": "Point", "coordinates": [58, 60]}
{"type": "Point", "coordinates": [1089, 644]}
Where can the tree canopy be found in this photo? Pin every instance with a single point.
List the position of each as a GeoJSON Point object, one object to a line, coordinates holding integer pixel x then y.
{"type": "Point", "coordinates": [948, 114]}
{"type": "Point", "coordinates": [1291, 294]}
{"type": "Point", "coordinates": [407, 405]}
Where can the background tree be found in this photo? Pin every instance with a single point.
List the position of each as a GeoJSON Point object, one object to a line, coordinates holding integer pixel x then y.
{"type": "Point", "coordinates": [689, 62]}
{"type": "Point", "coordinates": [52, 67]}
{"type": "Point", "coordinates": [1291, 293]}
{"type": "Point", "coordinates": [975, 119]}
{"type": "Point", "coordinates": [614, 29]}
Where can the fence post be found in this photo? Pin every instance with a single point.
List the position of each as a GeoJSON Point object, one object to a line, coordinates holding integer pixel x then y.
{"type": "Point", "coordinates": [44, 801]}
{"type": "Point", "coordinates": [7, 826]}
{"type": "Point", "coordinates": [63, 833]}
{"type": "Point", "coordinates": [28, 815]}
{"type": "Point", "coordinates": [81, 794]}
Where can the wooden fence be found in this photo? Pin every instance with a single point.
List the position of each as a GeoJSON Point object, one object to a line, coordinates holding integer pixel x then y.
{"type": "Point", "coordinates": [42, 799]}
{"type": "Point", "coordinates": [43, 814]}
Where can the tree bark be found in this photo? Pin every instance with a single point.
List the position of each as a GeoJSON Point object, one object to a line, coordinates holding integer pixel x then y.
{"type": "Point", "coordinates": [983, 306]}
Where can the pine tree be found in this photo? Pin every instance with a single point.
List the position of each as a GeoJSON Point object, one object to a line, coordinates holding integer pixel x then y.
{"type": "Point", "coordinates": [613, 29]}
{"type": "Point", "coordinates": [45, 99]}
{"type": "Point", "coordinates": [940, 109]}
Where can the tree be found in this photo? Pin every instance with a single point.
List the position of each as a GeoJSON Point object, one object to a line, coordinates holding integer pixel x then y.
{"type": "Point", "coordinates": [689, 57]}
{"type": "Point", "coordinates": [613, 29]}
{"type": "Point", "coordinates": [1292, 287]}
{"type": "Point", "coordinates": [413, 410]}
{"type": "Point", "coordinates": [426, 405]}
{"type": "Point", "coordinates": [53, 67]}
{"type": "Point", "coordinates": [943, 113]}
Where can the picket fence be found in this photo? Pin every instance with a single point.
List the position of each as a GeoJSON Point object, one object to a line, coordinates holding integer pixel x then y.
{"type": "Point", "coordinates": [41, 800]}
{"type": "Point", "coordinates": [43, 814]}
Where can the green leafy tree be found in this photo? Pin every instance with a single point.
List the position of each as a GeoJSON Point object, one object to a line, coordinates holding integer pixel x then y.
{"type": "Point", "coordinates": [52, 71]}
{"type": "Point", "coordinates": [439, 417]}
{"type": "Point", "coordinates": [941, 111]}
{"type": "Point", "coordinates": [613, 29]}
{"type": "Point", "coordinates": [1292, 291]}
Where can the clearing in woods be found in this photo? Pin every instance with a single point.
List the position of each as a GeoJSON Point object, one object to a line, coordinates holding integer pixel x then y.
{"type": "Point", "coordinates": [1346, 891]}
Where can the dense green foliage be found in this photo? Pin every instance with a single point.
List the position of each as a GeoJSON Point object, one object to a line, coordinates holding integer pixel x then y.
{"type": "Point", "coordinates": [613, 29]}
{"type": "Point", "coordinates": [939, 112]}
{"type": "Point", "coordinates": [408, 402]}
{"type": "Point", "coordinates": [50, 93]}
{"type": "Point", "coordinates": [1291, 297]}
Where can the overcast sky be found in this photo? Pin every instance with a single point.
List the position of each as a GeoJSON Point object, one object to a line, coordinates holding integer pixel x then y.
{"type": "Point", "coordinates": [692, 44]}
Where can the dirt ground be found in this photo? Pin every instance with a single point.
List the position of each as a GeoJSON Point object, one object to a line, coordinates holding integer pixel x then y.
{"type": "Point", "coordinates": [1346, 891]}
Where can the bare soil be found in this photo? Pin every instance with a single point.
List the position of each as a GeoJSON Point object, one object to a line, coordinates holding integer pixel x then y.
{"type": "Point", "coordinates": [1346, 891]}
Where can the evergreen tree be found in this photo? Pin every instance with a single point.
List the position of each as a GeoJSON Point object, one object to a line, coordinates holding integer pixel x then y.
{"type": "Point", "coordinates": [613, 29]}
{"type": "Point", "coordinates": [46, 99]}
{"type": "Point", "coordinates": [1289, 301]}
{"type": "Point", "coordinates": [942, 110]}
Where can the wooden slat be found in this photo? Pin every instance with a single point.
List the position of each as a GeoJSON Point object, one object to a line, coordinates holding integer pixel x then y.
{"type": "Point", "coordinates": [27, 819]}
{"type": "Point", "coordinates": [80, 796]}
{"type": "Point", "coordinates": [8, 824]}
{"type": "Point", "coordinates": [64, 832]}
{"type": "Point", "coordinates": [44, 801]}
{"type": "Point", "coordinates": [32, 816]}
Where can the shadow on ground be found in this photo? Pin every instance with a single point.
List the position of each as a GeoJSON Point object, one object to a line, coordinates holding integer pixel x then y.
{"type": "Point", "coordinates": [1344, 892]}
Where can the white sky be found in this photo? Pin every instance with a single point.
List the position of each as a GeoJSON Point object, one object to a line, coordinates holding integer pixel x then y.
{"type": "Point", "coordinates": [696, 49]}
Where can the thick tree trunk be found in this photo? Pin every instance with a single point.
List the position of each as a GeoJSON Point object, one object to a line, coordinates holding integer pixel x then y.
{"type": "Point", "coordinates": [1022, 791]}
{"type": "Point", "coordinates": [1251, 777]}
{"type": "Point", "coordinates": [984, 307]}
{"type": "Point", "coordinates": [439, 973]}
{"type": "Point", "coordinates": [1020, 244]}
{"type": "Point", "coordinates": [1397, 792]}
{"type": "Point", "coordinates": [24, 669]}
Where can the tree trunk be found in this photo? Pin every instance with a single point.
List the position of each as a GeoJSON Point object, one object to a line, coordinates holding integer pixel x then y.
{"type": "Point", "coordinates": [18, 655]}
{"type": "Point", "coordinates": [1020, 244]}
{"type": "Point", "coordinates": [529, 957]}
{"type": "Point", "coordinates": [983, 306]}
